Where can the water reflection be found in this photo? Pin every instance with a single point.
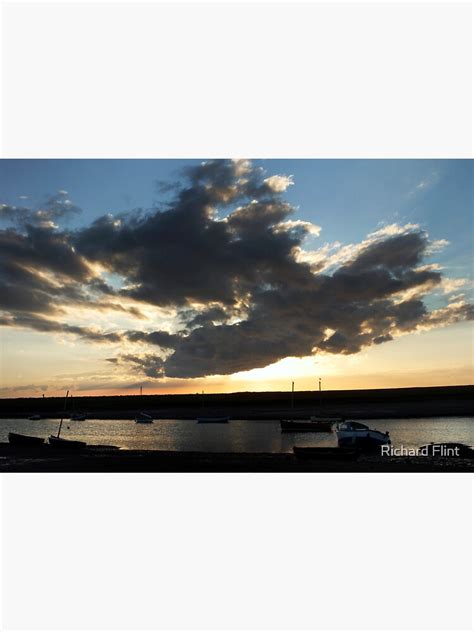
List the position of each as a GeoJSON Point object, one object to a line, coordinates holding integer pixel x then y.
{"type": "Point", "coordinates": [235, 436]}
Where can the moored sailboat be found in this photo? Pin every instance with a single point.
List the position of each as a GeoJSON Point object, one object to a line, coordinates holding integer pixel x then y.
{"type": "Point", "coordinates": [314, 424]}
{"type": "Point", "coordinates": [78, 417]}
{"type": "Point", "coordinates": [143, 418]}
{"type": "Point", "coordinates": [65, 444]}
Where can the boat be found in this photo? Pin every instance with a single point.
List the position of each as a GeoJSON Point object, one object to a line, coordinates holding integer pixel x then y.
{"type": "Point", "coordinates": [449, 449]}
{"type": "Point", "coordinates": [212, 420]}
{"type": "Point", "coordinates": [355, 434]}
{"type": "Point", "coordinates": [313, 425]}
{"type": "Point", "coordinates": [66, 444]}
{"type": "Point", "coordinates": [143, 418]}
{"type": "Point", "coordinates": [24, 441]}
{"type": "Point", "coordinates": [34, 417]}
{"type": "Point", "coordinates": [78, 417]}
{"type": "Point", "coordinates": [349, 454]}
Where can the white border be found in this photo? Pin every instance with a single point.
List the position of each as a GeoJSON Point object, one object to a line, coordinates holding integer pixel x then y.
{"type": "Point", "coordinates": [237, 551]}
{"type": "Point", "coordinates": [294, 80]}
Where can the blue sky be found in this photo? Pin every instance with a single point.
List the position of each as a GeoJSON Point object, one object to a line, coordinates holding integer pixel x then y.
{"type": "Point", "coordinates": [347, 198]}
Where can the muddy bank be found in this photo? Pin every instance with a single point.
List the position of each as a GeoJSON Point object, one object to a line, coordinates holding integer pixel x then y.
{"type": "Point", "coordinates": [104, 459]}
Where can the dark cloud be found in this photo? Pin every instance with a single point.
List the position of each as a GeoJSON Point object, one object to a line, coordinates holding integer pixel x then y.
{"type": "Point", "coordinates": [43, 249]}
{"type": "Point", "coordinates": [38, 323]}
{"type": "Point", "coordinates": [223, 255]}
{"type": "Point", "coordinates": [41, 272]}
{"type": "Point", "coordinates": [213, 315]}
{"type": "Point", "coordinates": [148, 364]}
{"type": "Point", "coordinates": [185, 253]}
{"type": "Point", "coordinates": [160, 338]}
{"type": "Point", "coordinates": [57, 206]}
{"type": "Point", "coordinates": [380, 339]}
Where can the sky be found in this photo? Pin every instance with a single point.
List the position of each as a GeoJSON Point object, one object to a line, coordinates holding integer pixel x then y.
{"type": "Point", "coordinates": [229, 275]}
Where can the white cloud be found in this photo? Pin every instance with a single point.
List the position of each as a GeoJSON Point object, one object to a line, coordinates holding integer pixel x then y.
{"type": "Point", "coordinates": [436, 246]}
{"type": "Point", "coordinates": [308, 227]}
{"type": "Point", "coordinates": [279, 184]}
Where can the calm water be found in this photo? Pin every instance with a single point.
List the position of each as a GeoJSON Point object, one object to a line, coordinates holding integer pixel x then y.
{"type": "Point", "coordinates": [236, 436]}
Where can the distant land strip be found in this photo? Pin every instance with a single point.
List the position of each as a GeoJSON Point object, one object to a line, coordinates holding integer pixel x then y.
{"type": "Point", "coordinates": [390, 403]}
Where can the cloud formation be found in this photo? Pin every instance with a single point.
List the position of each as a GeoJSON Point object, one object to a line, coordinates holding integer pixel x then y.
{"type": "Point", "coordinates": [57, 206]}
{"type": "Point", "coordinates": [225, 256]}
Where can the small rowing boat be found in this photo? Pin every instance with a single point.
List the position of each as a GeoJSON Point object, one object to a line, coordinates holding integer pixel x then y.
{"type": "Point", "coordinates": [24, 441]}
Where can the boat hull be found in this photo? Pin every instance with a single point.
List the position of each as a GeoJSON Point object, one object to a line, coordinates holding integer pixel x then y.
{"type": "Point", "coordinates": [66, 444]}
{"type": "Point", "coordinates": [24, 441]}
{"type": "Point", "coordinates": [143, 418]}
{"type": "Point", "coordinates": [362, 439]}
{"type": "Point", "coordinates": [305, 426]}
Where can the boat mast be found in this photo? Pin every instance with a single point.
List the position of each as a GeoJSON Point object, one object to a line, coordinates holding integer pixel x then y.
{"type": "Point", "coordinates": [62, 416]}
{"type": "Point", "coordinates": [292, 394]}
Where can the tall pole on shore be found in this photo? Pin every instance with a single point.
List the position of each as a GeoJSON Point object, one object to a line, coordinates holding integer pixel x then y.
{"type": "Point", "coordinates": [320, 395]}
{"type": "Point", "coordinates": [292, 394]}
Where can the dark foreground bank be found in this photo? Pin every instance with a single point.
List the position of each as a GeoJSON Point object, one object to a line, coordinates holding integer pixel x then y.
{"type": "Point", "coordinates": [390, 403]}
{"type": "Point", "coordinates": [109, 459]}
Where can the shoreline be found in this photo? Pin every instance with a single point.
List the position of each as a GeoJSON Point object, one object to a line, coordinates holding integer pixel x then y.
{"type": "Point", "coordinates": [403, 403]}
{"type": "Point", "coordinates": [369, 413]}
